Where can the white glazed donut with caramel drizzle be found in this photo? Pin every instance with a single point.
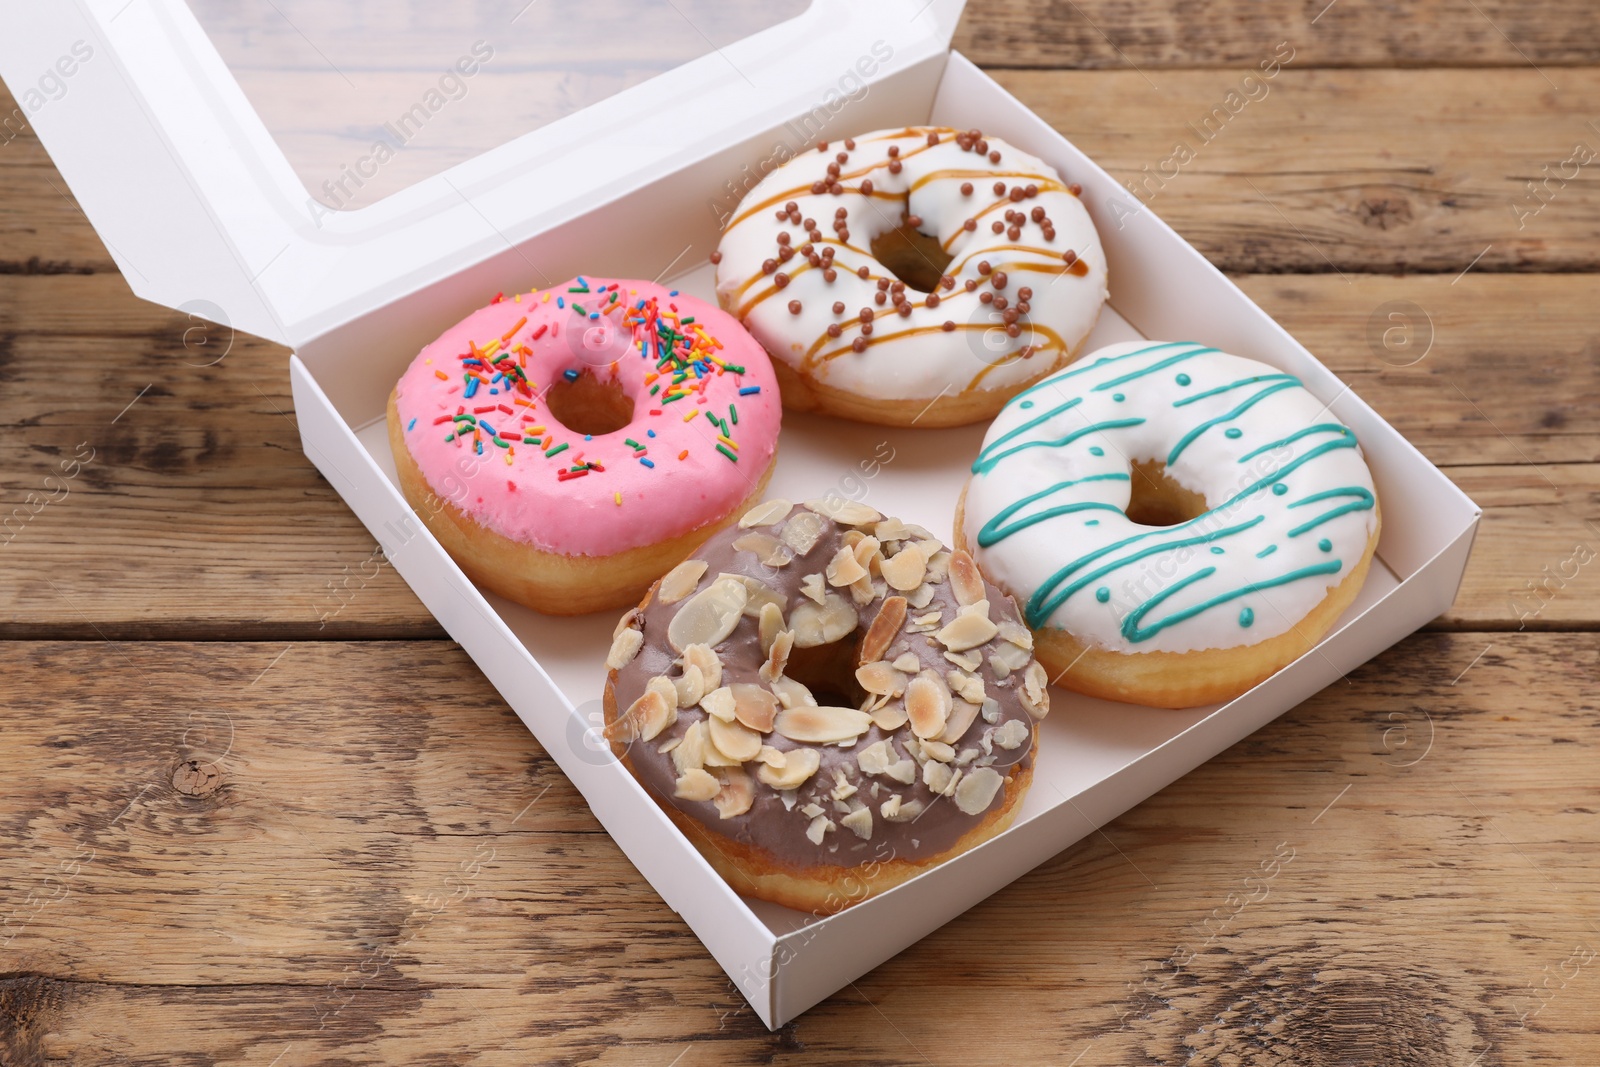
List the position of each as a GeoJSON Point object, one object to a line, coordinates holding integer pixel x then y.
{"type": "Point", "coordinates": [888, 271]}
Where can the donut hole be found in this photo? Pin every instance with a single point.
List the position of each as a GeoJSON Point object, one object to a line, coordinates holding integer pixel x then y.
{"type": "Point", "coordinates": [1157, 500]}
{"type": "Point", "coordinates": [829, 671]}
{"type": "Point", "coordinates": [588, 405]}
{"type": "Point", "coordinates": [912, 256]}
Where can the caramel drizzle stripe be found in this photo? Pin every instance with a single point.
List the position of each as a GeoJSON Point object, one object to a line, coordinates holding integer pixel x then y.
{"type": "Point", "coordinates": [1054, 341]}
{"type": "Point", "coordinates": [1045, 185]}
{"type": "Point", "coordinates": [805, 265]}
{"type": "Point", "coordinates": [1079, 268]}
{"type": "Point", "coordinates": [745, 309]}
{"type": "Point", "coordinates": [805, 190]}
{"type": "Point", "coordinates": [1058, 343]}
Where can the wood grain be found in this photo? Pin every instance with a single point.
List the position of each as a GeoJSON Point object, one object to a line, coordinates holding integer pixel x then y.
{"type": "Point", "coordinates": [360, 855]}
{"type": "Point", "coordinates": [1353, 171]}
{"type": "Point", "coordinates": [1106, 34]}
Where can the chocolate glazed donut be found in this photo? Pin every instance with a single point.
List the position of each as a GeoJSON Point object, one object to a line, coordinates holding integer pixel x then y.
{"type": "Point", "coordinates": [827, 702]}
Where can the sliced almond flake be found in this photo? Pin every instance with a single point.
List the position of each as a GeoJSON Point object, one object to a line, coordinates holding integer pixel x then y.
{"type": "Point", "coordinates": [863, 592]}
{"type": "Point", "coordinates": [819, 828]}
{"type": "Point", "coordinates": [966, 686]}
{"type": "Point", "coordinates": [938, 562]}
{"type": "Point", "coordinates": [738, 792]}
{"type": "Point", "coordinates": [680, 581]}
{"type": "Point", "coordinates": [841, 808]}
{"type": "Point", "coordinates": [907, 811]}
{"type": "Point", "coordinates": [802, 531]}
{"type": "Point", "coordinates": [966, 756]}
{"type": "Point", "coordinates": [788, 798]}
{"type": "Point", "coordinates": [708, 617]}
{"type": "Point", "coordinates": [976, 790]}
{"type": "Point", "coordinates": [771, 757]}
{"type": "Point", "coordinates": [629, 617]}
{"type": "Point", "coordinates": [799, 764]}
{"type": "Point", "coordinates": [624, 647]}
{"type": "Point", "coordinates": [991, 710]}
{"type": "Point", "coordinates": [859, 822]}
{"type": "Point", "coordinates": [754, 706]}
{"type": "Point", "coordinates": [970, 660]}
{"type": "Point", "coordinates": [777, 656]}
{"type": "Point", "coordinates": [1013, 656]}
{"type": "Point", "coordinates": [812, 810]}
{"type": "Point", "coordinates": [815, 625]}
{"type": "Point", "coordinates": [965, 579]}
{"type": "Point", "coordinates": [690, 687]}
{"type": "Point", "coordinates": [843, 792]}
{"type": "Point", "coordinates": [758, 543]}
{"type": "Point", "coordinates": [920, 597]}
{"type": "Point", "coordinates": [927, 704]}
{"type": "Point", "coordinates": [1001, 668]}
{"type": "Point", "coordinates": [734, 739]}
{"type": "Point", "coordinates": [904, 772]}
{"type": "Point", "coordinates": [844, 568]}
{"type": "Point", "coordinates": [1018, 634]}
{"type": "Point", "coordinates": [1012, 734]}
{"type": "Point", "coordinates": [937, 777]}
{"type": "Point", "coordinates": [907, 662]}
{"type": "Point", "coordinates": [891, 529]}
{"type": "Point", "coordinates": [962, 715]}
{"type": "Point", "coordinates": [868, 551]}
{"type": "Point", "coordinates": [766, 513]}
{"type": "Point", "coordinates": [1035, 690]}
{"type": "Point", "coordinates": [705, 657]}
{"type": "Point", "coordinates": [881, 678]}
{"type": "Point", "coordinates": [812, 586]}
{"type": "Point", "coordinates": [791, 694]}
{"type": "Point", "coordinates": [821, 726]}
{"type": "Point", "coordinates": [756, 591]}
{"type": "Point", "coordinates": [668, 745]}
{"type": "Point", "coordinates": [938, 750]}
{"type": "Point", "coordinates": [905, 570]}
{"type": "Point", "coordinates": [770, 622]}
{"type": "Point", "coordinates": [891, 807]}
{"type": "Point", "coordinates": [691, 751]}
{"type": "Point", "coordinates": [719, 703]}
{"type": "Point", "coordinates": [890, 717]}
{"type": "Point", "coordinates": [875, 758]}
{"type": "Point", "coordinates": [967, 630]}
{"type": "Point", "coordinates": [696, 784]}
{"type": "Point", "coordinates": [845, 512]}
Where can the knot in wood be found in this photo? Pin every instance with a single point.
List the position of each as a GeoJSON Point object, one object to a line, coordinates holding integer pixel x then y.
{"type": "Point", "coordinates": [194, 779]}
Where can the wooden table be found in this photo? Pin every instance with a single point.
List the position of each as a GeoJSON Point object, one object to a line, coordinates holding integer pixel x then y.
{"type": "Point", "coordinates": [258, 810]}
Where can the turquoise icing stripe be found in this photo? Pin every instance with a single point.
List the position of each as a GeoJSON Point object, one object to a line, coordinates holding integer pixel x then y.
{"type": "Point", "coordinates": [983, 465]}
{"type": "Point", "coordinates": [1236, 385]}
{"type": "Point", "coordinates": [994, 531]}
{"type": "Point", "coordinates": [1363, 502]}
{"type": "Point", "coordinates": [1024, 428]}
{"type": "Point", "coordinates": [1057, 379]}
{"type": "Point", "coordinates": [1321, 427]}
{"type": "Point", "coordinates": [1189, 438]}
{"type": "Point", "coordinates": [1039, 609]}
{"type": "Point", "coordinates": [1134, 633]}
{"type": "Point", "coordinates": [1162, 365]}
{"type": "Point", "coordinates": [1265, 552]}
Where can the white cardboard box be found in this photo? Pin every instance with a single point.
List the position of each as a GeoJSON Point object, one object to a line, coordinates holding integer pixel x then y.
{"type": "Point", "coordinates": [203, 212]}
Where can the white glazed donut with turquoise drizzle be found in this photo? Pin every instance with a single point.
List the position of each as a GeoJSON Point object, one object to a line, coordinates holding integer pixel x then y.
{"type": "Point", "coordinates": [1292, 505]}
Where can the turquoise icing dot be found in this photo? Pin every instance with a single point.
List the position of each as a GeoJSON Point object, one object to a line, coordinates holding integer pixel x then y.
{"type": "Point", "coordinates": [1325, 544]}
{"type": "Point", "coordinates": [1216, 550]}
{"type": "Point", "coordinates": [1102, 594]}
{"type": "Point", "coordinates": [1026, 404]}
{"type": "Point", "coordinates": [1118, 397]}
{"type": "Point", "coordinates": [1279, 489]}
{"type": "Point", "coordinates": [1092, 522]}
{"type": "Point", "coordinates": [1184, 379]}
{"type": "Point", "coordinates": [1233, 433]}
{"type": "Point", "coordinates": [1096, 450]}
{"type": "Point", "coordinates": [1246, 617]}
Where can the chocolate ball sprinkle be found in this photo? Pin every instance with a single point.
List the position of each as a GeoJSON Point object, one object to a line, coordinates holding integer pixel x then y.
{"type": "Point", "coordinates": [985, 297]}
{"type": "Point", "coordinates": [768, 266]}
{"type": "Point", "coordinates": [838, 307]}
{"type": "Point", "coordinates": [895, 166]}
{"type": "Point", "coordinates": [866, 186]}
{"type": "Point", "coordinates": [818, 187]}
{"type": "Point", "coordinates": [716, 257]}
{"type": "Point", "coordinates": [970, 225]}
{"type": "Point", "coordinates": [866, 314]}
{"type": "Point", "coordinates": [948, 326]}
{"type": "Point", "coordinates": [983, 266]}
{"type": "Point", "coordinates": [999, 279]}
{"type": "Point", "coordinates": [780, 279]}
{"type": "Point", "coordinates": [863, 272]}
{"type": "Point", "coordinates": [829, 274]}
{"type": "Point", "coordinates": [1024, 293]}
{"type": "Point", "coordinates": [933, 300]}
{"type": "Point", "coordinates": [880, 298]}
{"type": "Point", "coordinates": [1013, 233]}
{"type": "Point", "coordinates": [858, 345]}
{"type": "Point", "coordinates": [998, 227]}
{"type": "Point", "coordinates": [833, 329]}
{"type": "Point", "coordinates": [999, 188]}
{"type": "Point", "coordinates": [994, 157]}
{"type": "Point", "coordinates": [933, 139]}
{"type": "Point", "coordinates": [966, 188]}
{"type": "Point", "coordinates": [1069, 257]}
{"type": "Point", "coordinates": [1017, 194]}
{"type": "Point", "coordinates": [794, 307]}
{"type": "Point", "coordinates": [1037, 214]}
{"type": "Point", "coordinates": [1013, 330]}
{"type": "Point", "coordinates": [894, 150]}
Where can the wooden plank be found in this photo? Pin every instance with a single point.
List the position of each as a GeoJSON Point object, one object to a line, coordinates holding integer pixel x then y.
{"type": "Point", "coordinates": [354, 852]}
{"type": "Point", "coordinates": [1106, 34]}
{"type": "Point", "coordinates": [1321, 174]}
{"type": "Point", "coordinates": [198, 511]}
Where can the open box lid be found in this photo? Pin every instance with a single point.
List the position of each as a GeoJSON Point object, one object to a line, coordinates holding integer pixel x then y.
{"type": "Point", "coordinates": [287, 165]}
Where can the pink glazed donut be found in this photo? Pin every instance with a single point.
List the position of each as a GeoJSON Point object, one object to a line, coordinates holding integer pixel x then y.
{"type": "Point", "coordinates": [569, 447]}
